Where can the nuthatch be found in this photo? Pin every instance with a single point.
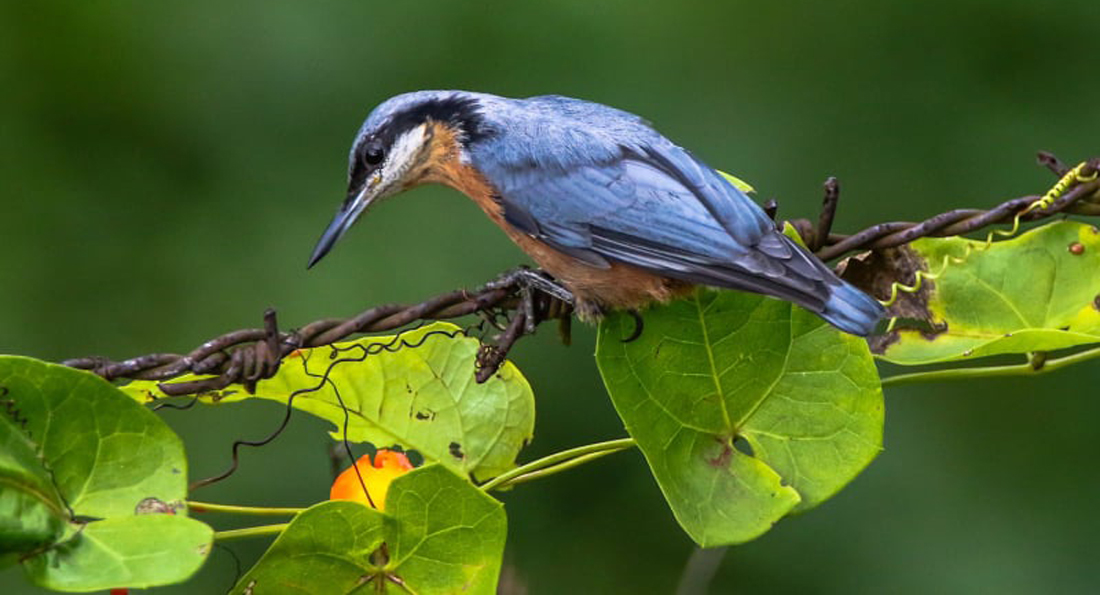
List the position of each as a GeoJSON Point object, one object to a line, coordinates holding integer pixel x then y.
{"type": "Point", "coordinates": [618, 213]}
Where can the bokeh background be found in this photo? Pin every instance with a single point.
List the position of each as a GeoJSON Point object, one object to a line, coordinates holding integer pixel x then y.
{"type": "Point", "coordinates": [165, 169]}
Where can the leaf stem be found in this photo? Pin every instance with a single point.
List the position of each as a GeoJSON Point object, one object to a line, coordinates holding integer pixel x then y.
{"type": "Point", "coordinates": [247, 532]}
{"type": "Point", "coordinates": [1027, 369]}
{"type": "Point", "coordinates": [574, 462]}
{"type": "Point", "coordinates": [193, 506]}
{"type": "Point", "coordinates": [557, 462]}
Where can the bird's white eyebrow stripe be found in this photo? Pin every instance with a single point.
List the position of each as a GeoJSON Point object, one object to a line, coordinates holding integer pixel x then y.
{"type": "Point", "coordinates": [403, 153]}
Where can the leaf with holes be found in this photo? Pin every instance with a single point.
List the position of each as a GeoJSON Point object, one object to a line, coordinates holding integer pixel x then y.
{"type": "Point", "coordinates": [416, 390]}
{"type": "Point", "coordinates": [745, 407]}
{"type": "Point", "coordinates": [104, 455]}
{"type": "Point", "coordinates": [441, 535]}
{"type": "Point", "coordinates": [1039, 291]}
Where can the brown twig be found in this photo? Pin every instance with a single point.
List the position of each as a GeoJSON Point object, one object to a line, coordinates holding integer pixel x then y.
{"type": "Point", "coordinates": [828, 211]}
{"type": "Point", "coordinates": [963, 221]}
{"type": "Point", "coordinates": [249, 355]}
{"type": "Point", "coordinates": [1051, 162]}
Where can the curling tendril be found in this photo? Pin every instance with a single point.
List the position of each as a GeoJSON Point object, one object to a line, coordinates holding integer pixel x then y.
{"type": "Point", "coordinates": [1073, 176]}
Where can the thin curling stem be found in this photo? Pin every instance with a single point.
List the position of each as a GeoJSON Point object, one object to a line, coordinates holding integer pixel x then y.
{"type": "Point", "coordinates": [558, 468]}
{"type": "Point", "coordinates": [201, 507]}
{"type": "Point", "coordinates": [1026, 369]}
{"type": "Point", "coordinates": [897, 288]}
{"type": "Point", "coordinates": [964, 221]}
{"type": "Point", "coordinates": [1073, 176]}
{"type": "Point", "coordinates": [557, 462]}
{"type": "Point", "coordinates": [249, 532]}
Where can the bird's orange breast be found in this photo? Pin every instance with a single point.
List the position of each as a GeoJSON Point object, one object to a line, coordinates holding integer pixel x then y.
{"type": "Point", "coordinates": [618, 286]}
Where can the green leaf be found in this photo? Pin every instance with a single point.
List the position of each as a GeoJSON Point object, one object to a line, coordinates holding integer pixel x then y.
{"type": "Point", "coordinates": [422, 397]}
{"type": "Point", "coordinates": [721, 373]}
{"type": "Point", "coordinates": [31, 511]}
{"type": "Point", "coordinates": [441, 535]}
{"type": "Point", "coordinates": [1039, 291]}
{"type": "Point", "coordinates": [325, 549]}
{"type": "Point", "coordinates": [137, 551]}
{"type": "Point", "coordinates": [104, 455]}
{"type": "Point", "coordinates": [450, 535]}
{"type": "Point", "coordinates": [738, 183]}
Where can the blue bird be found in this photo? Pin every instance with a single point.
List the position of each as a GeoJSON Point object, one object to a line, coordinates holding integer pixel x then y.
{"type": "Point", "coordinates": [615, 211]}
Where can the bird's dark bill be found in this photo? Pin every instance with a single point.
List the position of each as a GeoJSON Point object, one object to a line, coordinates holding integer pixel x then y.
{"type": "Point", "coordinates": [328, 239]}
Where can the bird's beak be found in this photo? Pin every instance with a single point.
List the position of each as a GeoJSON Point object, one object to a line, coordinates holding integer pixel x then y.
{"type": "Point", "coordinates": [346, 216]}
{"type": "Point", "coordinates": [406, 155]}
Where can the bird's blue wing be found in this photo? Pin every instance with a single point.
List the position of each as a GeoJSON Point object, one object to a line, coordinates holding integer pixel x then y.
{"type": "Point", "coordinates": [658, 208]}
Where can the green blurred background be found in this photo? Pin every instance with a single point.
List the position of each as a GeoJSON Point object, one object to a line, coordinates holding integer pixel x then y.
{"type": "Point", "coordinates": [167, 167]}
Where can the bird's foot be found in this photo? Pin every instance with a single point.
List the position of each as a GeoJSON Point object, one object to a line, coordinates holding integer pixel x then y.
{"type": "Point", "coordinates": [530, 283]}
{"type": "Point", "coordinates": [525, 277]}
{"type": "Point", "coordinates": [540, 297]}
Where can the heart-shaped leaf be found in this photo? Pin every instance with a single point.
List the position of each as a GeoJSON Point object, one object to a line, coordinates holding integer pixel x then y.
{"type": "Point", "coordinates": [746, 408]}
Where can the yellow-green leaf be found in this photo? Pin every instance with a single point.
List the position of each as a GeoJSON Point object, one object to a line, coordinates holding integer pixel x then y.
{"type": "Point", "coordinates": [1039, 291]}
{"type": "Point", "coordinates": [417, 392]}
{"type": "Point", "coordinates": [738, 183]}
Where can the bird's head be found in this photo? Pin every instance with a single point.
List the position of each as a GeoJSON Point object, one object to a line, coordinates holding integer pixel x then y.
{"type": "Point", "coordinates": [403, 143]}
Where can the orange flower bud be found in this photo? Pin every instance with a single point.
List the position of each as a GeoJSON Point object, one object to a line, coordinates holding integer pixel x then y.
{"type": "Point", "coordinates": [387, 466]}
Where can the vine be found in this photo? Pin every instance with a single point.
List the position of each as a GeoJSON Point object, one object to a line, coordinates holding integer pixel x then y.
{"type": "Point", "coordinates": [1070, 178]}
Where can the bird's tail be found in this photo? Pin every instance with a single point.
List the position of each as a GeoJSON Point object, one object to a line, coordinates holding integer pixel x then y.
{"type": "Point", "coordinates": [851, 310]}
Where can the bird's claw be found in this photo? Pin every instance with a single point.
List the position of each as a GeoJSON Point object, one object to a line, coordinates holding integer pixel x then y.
{"type": "Point", "coordinates": [639, 325]}
{"type": "Point", "coordinates": [526, 278]}
{"type": "Point", "coordinates": [527, 302]}
{"type": "Point", "coordinates": [529, 283]}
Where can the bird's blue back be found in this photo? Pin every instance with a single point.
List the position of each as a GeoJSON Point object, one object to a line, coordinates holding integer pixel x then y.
{"type": "Point", "coordinates": [573, 166]}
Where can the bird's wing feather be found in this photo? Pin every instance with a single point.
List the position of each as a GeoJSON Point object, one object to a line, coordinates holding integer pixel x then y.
{"type": "Point", "coordinates": [662, 210]}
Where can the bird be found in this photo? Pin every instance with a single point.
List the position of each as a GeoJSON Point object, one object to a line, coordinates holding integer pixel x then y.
{"type": "Point", "coordinates": [616, 212]}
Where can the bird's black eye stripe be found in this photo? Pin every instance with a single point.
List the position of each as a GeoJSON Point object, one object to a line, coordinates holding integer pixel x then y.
{"type": "Point", "coordinates": [368, 156]}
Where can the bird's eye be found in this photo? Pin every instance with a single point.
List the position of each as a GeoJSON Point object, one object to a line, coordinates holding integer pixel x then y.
{"type": "Point", "coordinates": [373, 154]}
